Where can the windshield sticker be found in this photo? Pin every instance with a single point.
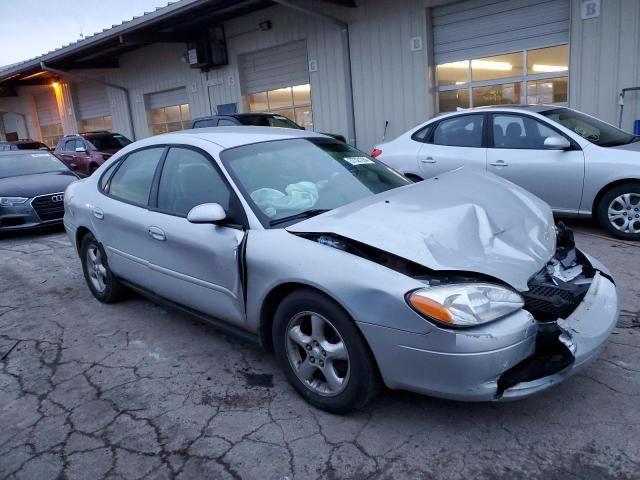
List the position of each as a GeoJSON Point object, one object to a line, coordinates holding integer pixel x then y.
{"type": "Point", "coordinates": [358, 160]}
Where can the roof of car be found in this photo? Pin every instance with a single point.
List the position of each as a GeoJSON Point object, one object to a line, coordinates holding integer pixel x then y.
{"type": "Point", "coordinates": [22, 152]}
{"type": "Point", "coordinates": [228, 137]}
{"type": "Point", "coordinates": [537, 108]}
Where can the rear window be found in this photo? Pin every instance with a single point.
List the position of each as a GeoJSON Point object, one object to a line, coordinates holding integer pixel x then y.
{"type": "Point", "coordinates": [32, 146]}
{"type": "Point", "coordinates": [107, 142]}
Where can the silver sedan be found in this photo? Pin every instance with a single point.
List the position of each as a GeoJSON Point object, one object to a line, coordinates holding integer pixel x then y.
{"type": "Point", "coordinates": [576, 163]}
{"type": "Point", "coordinates": [459, 287]}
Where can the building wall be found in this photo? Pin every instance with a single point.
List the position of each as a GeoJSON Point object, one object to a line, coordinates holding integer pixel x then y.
{"type": "Point", "coordinates": [604, 59]}
{"type": "Point", "coordinates": [23, 105]}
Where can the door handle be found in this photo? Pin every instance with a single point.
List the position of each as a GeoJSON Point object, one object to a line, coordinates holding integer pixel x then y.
{"type": "Point", "coordinates": [499, 163]}
{"type": "Point", "coordinates": [156, 233]}
{"type": "Point", "coordinates": [98, 213]}
{"type": "Point", "coordinates": [428, 160]}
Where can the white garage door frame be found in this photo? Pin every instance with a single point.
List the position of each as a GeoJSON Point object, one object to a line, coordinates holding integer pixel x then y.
{"type": "Point", "coordinates": [47, 108]}
{"type": "Point", "coordinates": [92, 100]}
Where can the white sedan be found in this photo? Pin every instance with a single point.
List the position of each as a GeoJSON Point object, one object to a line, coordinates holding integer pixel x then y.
{"type": "Point", "coordinates": [578, 164]}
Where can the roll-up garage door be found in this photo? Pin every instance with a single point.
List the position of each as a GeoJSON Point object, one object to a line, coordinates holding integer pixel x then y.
{"type": "Point", "coordinates": [477, 28]}
{"type": "Point", "coordinates": [47, 108]}
{"type": "Point", "coordinates": [93, 100]}
{"type": "Point", "coordinates": [276, 67]}
{"type": "Point", "coordinates": [167, 98]}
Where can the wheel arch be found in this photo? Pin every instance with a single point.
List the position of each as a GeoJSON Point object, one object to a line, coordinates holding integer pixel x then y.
{"type": "Point", "coordinates": [81, 232]}
{"type": "Point", "coordinates": [603, 191]}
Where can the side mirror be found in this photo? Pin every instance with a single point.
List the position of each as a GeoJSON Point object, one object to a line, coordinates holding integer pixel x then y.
{"type": "Point", "coordinates": [73, 166]}
{"type": "Point", "coordinates": [207, 213]}
{"type": "Point", "coordinates": [81, 149]}
{"type": "Point", "coordinates": [556, 143]}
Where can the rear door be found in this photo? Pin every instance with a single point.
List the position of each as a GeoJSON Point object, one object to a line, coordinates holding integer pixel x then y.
{"type": "Point", "coordinates": [196, 265]}
{"type": "Point", "coordinates": [121, 215]}
{"type": "Point", "coordinates": [452, 143]}
{"type": "Point", "coordinates": [517, 153]}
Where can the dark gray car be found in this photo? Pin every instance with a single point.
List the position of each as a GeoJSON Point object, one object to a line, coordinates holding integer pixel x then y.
{"type": "Point", "coordinates": [32, 184]}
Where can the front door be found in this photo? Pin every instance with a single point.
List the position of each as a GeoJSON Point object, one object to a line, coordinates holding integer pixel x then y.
{"type": "Point", "coordinates": [454, 142]}
{"type": "Point", "coordinates": [196, 265]}
{"type": "Point", "coordinates": [519, 155]}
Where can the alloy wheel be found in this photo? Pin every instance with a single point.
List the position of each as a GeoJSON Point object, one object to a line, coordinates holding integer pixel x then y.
{"type": "Point", "coordinates": [624, 213]}
{"type": "Point", "coordinates": [96, 269]}
{"type": "Point", "coordinates": [317, 353]}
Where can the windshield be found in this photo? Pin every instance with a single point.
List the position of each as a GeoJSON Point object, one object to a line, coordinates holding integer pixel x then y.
{"type": "Point", "coordinates": [596, 131]}
{"type": "Point", "coordinates": [268, 121]}
{"type": "Point", "coordinates": [108, 142]}
{"type": "Point", "coordinates": [299, 178]}
{"type": "Point", "coordinates": [16, 164]}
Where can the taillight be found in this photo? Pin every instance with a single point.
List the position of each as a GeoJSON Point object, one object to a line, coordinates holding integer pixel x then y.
{"type": "Point", "coordinates": [375, 153]}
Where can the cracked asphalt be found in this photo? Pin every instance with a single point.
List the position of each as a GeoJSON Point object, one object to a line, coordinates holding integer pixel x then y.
{"type": "Point", "coordinates": [92, 391]}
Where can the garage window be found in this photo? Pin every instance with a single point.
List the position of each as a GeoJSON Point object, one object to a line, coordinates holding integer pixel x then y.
{"type": "Point", "coordinates": [168, 111]}
{"type": "Point", "coordinates": [292, 102]}
{"type": "Point", "coordinates": [527, 76]}
{"type": "Point", "coordinates": [97, 124]}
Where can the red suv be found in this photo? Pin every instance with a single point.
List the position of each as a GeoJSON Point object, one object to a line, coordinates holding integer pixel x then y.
{"type": "Point", "coordinates": [85, 152]}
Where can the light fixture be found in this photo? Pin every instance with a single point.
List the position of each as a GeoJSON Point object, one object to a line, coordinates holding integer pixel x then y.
{"type": "Point", "coordinates": [55, 84]}
{"type": "Point", "coordinates": [549, 68]}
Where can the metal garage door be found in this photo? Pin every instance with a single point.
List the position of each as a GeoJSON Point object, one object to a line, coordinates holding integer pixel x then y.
{"type": "Point", "coordinates": [477, 28]}
{"type": "Point", "coordinates": [272, 68]}
{"type": "Point", "coordinates": [47, 108]}
{"type": "Point", "coordinates": [93, 100]}
{"type": "Point", "coordinates": [167, 98]}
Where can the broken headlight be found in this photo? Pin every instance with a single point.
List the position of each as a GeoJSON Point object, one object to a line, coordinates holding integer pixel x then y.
{"type": "Point", "coordinates": [465, 304]}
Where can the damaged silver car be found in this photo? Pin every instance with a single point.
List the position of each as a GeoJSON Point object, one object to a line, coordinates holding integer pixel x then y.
{"type": "Point", "coordinates": [460, 286]}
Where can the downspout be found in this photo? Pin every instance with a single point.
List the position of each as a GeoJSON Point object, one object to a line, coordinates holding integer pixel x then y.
{"type": "Point", "coordinates": [346, 55]}
{"type": "Point", "coordinates": [91, 79]}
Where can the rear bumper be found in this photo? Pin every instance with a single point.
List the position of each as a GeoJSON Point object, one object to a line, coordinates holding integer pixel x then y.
{"type": "Point", "coordinates": [469, 364]}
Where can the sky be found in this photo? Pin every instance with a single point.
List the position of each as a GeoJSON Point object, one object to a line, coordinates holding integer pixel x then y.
{"type": "Point", "coordinates": [29, 28]}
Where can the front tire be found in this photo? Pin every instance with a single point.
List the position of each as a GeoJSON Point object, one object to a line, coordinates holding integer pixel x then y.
{"type": "Point", "coordinates": [101, 281]}
{"type": "Point", "coordinates": [323, 354]}
{"type": "Point", "coordinates": [619, 211]}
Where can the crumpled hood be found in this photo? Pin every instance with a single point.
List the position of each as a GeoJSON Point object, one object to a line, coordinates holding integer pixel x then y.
{"type": "Point", "coordinates": [465, 220]}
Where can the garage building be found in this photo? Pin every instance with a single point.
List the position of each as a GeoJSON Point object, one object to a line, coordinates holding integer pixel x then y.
{"type": "Point", "coordinates": [366, 69]}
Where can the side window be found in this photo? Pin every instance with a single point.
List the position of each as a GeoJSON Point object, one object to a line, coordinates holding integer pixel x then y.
{"type": "Point", "coordinates": [464, 131]}
{"type": "Point", "coordinates": [188, 179]}
{"type": "Point", "coordinates": [516, 131]}
{"type": "Point", "coordinates": [106, 176]}
{"type": "Point", "coordinates": [422, 135]}
{"type": "Point", "coordinates": [70, 145]}
{"type": "Point", "coordinates": [204, 123]}
{"type": "Point", "coordinates": [224, 122]}
{"type": "Point", "coordinates": [132, 181]}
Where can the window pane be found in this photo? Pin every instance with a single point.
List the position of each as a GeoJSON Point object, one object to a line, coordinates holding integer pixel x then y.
{"type": "Point", "coordinates": [465, 131]}
{"type": "Point", "coordinates": [286, 113]}
{"type": "Point", "coordinates": [304, 117]}
{"type": "Point", "coordinates": [280, 98]}
{"type": "Point", "coordinates": [185, 111]}
{"type": "Point", "coordinates": [448, 101]}
{"type": "Point", "coordinates": [515, 131]}
{"type": "Point", "coordinates": [500, 66]}
{"type": "Point", "coordinates": [172, 113]}
{"type": "Point", "coordinates": [258, 102]}
{"type": "Point", "coordinates": [497, 94]}
{"type": "Point", "coordinates": [158, 129]}
{"type": "Point", "coordinates": [189, 179]}
{"type": "Point", "coordinates": [548, 60]}
{"type": "Point", "coordinates": [552, 90]}
{"type": "Point", "coordinates": [302, 94]}
{"type": "Point", "coordinates": [174, 126]}
{"type": "Point", "coordinates": [223, 122]}
{"type": "Point", "coordinates": [454, 73]}
{"type": "Point", "coordinates": [156, 116]}
{"type": "Point", "coordinates": [132, 181]}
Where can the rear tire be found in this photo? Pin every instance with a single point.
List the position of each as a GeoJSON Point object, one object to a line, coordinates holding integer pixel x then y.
{"type": "Point", "coordinates": [101, 281]}
{"type": "Point", "coordinates": [323, 354]}
{"type": "Point", "coordinates": [619, 211]}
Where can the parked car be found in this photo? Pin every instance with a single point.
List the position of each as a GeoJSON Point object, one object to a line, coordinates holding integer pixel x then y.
{"type": "Point", "coordinates": [85, 152]}
{"type": "Point", "coordinates": [32, 184]}
{"type": "Point", "coordinates": [255, 120]}
{"type": "Point", "coordinates": [454, 287]}
{"type": "Point", "coordinates": [578, 164]}
{"type": "Point", "coordinates": [23, 145]}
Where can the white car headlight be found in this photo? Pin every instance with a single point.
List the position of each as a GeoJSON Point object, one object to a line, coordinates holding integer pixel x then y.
{"type": "Point", "coordinates": [465, 304]}
{"type": "Point", "coordinates": [11, 201]}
